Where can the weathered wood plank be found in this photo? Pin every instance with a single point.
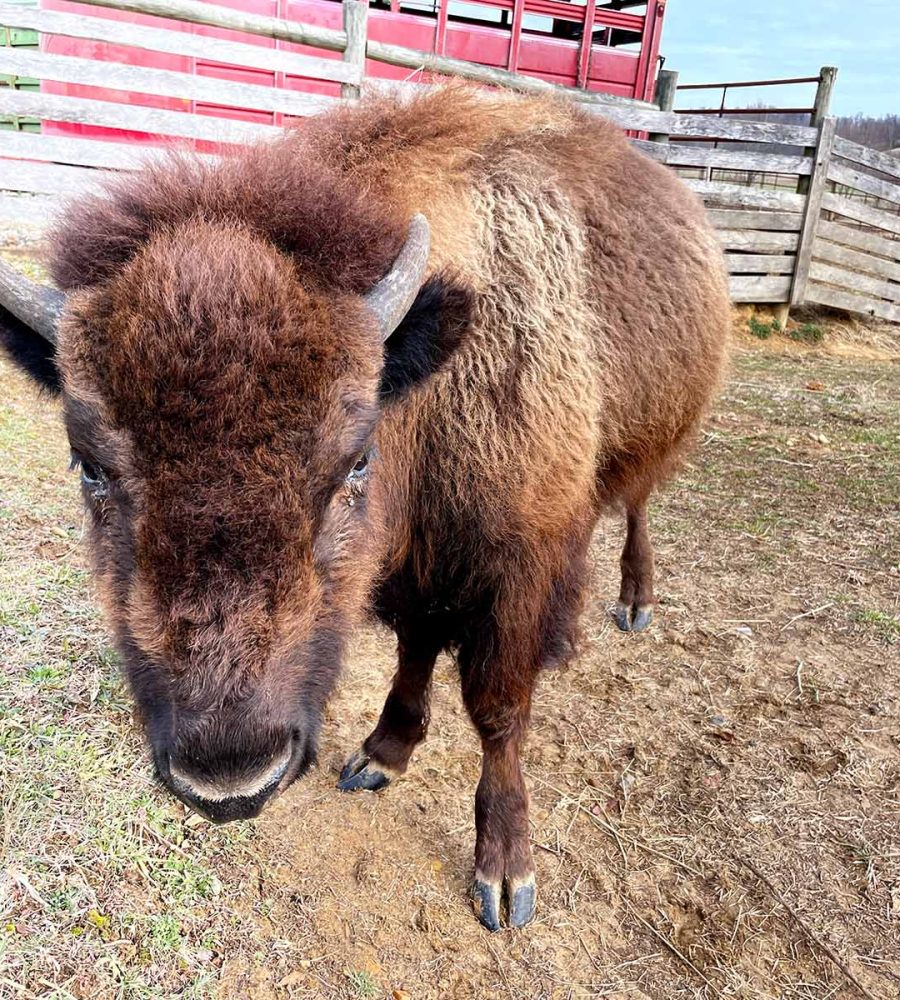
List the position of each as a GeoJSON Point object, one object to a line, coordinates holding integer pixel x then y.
{"type": "Point", "coordinates": [79, 152]}
{"type": "Point", "coordinates": [160, 82]}
{"type": "Point", "coordinates": [355, 25]}
{"type": "Point", "coordinates": [181, 44]}
{"type": "Point", "coordinates": [827, 296]}
{"type": "Point", "coordinates": [27, 209]}
{"type": "Point", "coordinates": [701, 126]}
{"type": "Point", "coordinates": [49, 178]}
{"type": "Point", "coordinates": [841, 174]}
{"type": "Point", "coordinates": [814, 202]}
{"type": "Point", "coordinates": [724, 159]}
{"type": "Point", "coordinates": [861, 212]}
{"type": "Point", "coordinates": [132, 117]}
{"type": "Point", "coordinates": [199, 12]}
{"type": "Point", "coordinates": [884, 163]}
{"type": "Point", "coordinates": [850, 236]}
{"type": "Point", "coordinates": [751, 263]}
{"type": "Point", "coordinates": [705, 126]}
{"type": "Point", "coordinates": [37, 306]}
{"type": "Point", "coordinates": [854, 260]}
{"type": "Point", "coordinates": [735, 196]}
{"type": "Point", "coordinates": [853, 281]}
{"type": "Point", "coordinates": [756, 242]}
{"type": "Point", "coordinates": [723, 218]}
{"type": "Point", "coordinates": [747, 288]}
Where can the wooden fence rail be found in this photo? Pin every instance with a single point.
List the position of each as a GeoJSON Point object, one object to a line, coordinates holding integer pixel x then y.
{"type": "Point", "coordinates": [829, 233]}
{"type": "Point", "coordinates": [179, 43]}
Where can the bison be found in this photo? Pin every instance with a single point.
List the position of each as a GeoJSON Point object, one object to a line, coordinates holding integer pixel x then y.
{"type": "Point", "coordinates": [397, 361]}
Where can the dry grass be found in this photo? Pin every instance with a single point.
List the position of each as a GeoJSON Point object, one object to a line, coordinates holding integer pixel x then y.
{"type": "Point", "coordinates": [716, 806]}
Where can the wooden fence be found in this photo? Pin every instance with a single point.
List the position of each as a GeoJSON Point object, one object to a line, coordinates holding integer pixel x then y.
{"type": "Point", "coordinates": [19, 38]}
{"type": "Point", "coordinates": [830, 236]}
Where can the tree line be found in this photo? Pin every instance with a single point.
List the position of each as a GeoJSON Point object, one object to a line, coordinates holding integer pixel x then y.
{"type": "Point", "coordinates": [878, 133]}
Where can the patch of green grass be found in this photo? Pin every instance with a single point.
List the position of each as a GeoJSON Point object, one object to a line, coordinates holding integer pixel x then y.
{"type": "Point", "coordinates": [886, 438]}
{"type": "Point", "coordinates": [46, 675]}
{"type": "Point", "coordinates": [761, 525]}
{"type": "Point", "coordinates": [165, 933]}
{"type": "Point", "coordinates": [885, 626]}
{"type": "Point", "coordinates": [807, 333]}
{"type": "Point", "coordinates": [806, 486]}
{"type": "Point", "coordinates": [362, 983]}
{"type": "Point", "coordinates": [761, 329]}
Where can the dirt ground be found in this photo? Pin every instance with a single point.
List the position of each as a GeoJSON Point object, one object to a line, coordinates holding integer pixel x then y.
{"type": "Point", "coordinates": [715, 804]}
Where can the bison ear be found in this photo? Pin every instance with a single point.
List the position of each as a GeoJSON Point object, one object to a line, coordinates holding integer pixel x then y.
{"type": "Point", "coordinates": [426, 337]}
{"type": "Point", "coordinates": [31, 352]}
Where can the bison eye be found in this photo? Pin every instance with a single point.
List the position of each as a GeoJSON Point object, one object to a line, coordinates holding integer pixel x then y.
{"type": "Point", "coordinates": [93, 475]}
{"type": "Point", "coordinates": [359, 467]}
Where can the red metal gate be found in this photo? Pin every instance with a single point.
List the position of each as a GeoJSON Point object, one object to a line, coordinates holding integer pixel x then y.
{"type": "Point", "coordinates": [600, 48]}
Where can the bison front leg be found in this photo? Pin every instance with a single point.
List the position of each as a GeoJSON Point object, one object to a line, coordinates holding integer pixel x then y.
{"type": "Point", "coordinates": [403, 723]}
{"type": "Point", "coordinates": [504, 869]}
{"type": "Point", "coordinates": [497, 693]}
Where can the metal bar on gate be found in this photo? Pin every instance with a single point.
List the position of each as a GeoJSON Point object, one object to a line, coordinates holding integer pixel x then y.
{"type": "Point", "coordinates": [515, 36]}
{"type": "Point", "coordinates": [650, 42]}
{"type": "Point", "coordinates": [440, 31]}
{"type": "Point", "coordinates": [587, 42]}
{"type": "Point", "coordinates": [721, 112]}
{"type": "Point", "coordinates": [747, 83]}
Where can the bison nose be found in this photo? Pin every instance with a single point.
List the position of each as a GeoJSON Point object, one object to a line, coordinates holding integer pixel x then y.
{"type": "Point", "coordinates": [228, 799]}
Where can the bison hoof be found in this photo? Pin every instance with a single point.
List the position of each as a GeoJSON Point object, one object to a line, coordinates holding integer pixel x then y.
{"type": "Point", "coordinates": [634, 618]}
{"type": "Point", "coordinates": [488, 897]}
{"type": "Point", "coordinates": [360, 773]}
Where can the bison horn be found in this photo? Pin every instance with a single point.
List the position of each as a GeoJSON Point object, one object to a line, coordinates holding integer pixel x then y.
{"type": "Point", "coordinates": [37, 306]}
{"type": "Point", "coordinates": [390, 299]}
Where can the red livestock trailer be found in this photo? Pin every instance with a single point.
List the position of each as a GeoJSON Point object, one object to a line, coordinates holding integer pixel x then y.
{"type": "Point", "coordinates": [611, 46]}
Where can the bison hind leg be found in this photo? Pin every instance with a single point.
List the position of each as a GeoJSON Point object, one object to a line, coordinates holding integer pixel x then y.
{"type": "Point", "coordinates": [634, 609]}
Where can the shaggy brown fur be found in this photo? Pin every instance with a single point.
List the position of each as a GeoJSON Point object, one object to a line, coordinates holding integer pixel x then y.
{"type": "Point", "coordinates": [222, 377]}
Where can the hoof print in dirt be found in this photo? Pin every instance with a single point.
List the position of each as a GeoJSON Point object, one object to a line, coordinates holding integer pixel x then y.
{"type": "Point", "coordinates": [360, 774]}
{"type": "Point", "coordinates": [488, 897]}
{"type": "Point", "coordinates": [635, 618]}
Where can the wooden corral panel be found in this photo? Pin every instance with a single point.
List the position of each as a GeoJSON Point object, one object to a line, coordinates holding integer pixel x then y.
{"type": "Point", "coordinates": [759, 227]}
{"type": "Point", "coordinates": [855, 255]}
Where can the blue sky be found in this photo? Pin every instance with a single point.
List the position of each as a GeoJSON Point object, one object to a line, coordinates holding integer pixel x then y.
{"type": "Point", "coordinates": [718, 40]}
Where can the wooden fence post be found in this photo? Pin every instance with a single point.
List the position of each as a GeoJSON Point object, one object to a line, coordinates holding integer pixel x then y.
{"type": "Point", "coordinates": [666, 87]}
{"type": "Point", "coordinates": [356, 13]}
{"type": "Point", "coordinates": [821, 107]}
{"type": "Point", "coordinates": [827, 79]}
{"type": "Point", "coordinates": [817, 188]}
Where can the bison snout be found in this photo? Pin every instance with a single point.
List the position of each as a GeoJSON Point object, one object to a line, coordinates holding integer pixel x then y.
{"type": "Point", "coordinates": [238, 796]}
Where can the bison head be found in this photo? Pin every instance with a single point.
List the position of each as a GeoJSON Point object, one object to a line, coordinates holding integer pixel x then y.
{"type": "Point", "coordinates": [222, 411]}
